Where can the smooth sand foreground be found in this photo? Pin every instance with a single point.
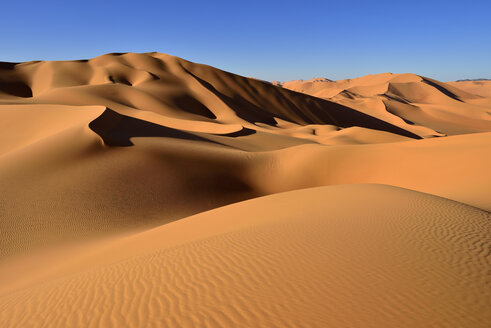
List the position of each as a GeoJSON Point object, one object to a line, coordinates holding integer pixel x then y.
{"type": "Point", "coordinates": [306, 258]}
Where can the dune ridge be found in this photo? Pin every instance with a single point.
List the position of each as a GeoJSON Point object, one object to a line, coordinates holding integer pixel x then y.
{"type": "Point", "coordinates": [416, 103]}
{"type": "Point", "coordinates": [174, 88]}
{"type": "Point", "coordinates": [478, 87]}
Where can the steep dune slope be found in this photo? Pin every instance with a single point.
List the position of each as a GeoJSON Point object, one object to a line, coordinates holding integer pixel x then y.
{"type": "Point", "coordinates": [304, 258]}
{"type": "Point", "coordinates": [175, 89]}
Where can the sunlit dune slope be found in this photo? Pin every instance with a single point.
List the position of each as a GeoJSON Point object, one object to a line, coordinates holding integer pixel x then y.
{"type": "Point", "coordinates": [415, 103]}
{"type": "Point", "coordinates": [478, 87]}
{"type": "Point", "coordinates": [338, 256]}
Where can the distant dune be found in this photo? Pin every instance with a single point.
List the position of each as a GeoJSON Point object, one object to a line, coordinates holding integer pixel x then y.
{"type": "Point", "coordinates": [354, 203]}
{"type": "Point", "coordinates": [415, 103]}
{"type": "Point", "coordinates": [473, 80]}
{"type": "Point", "coordinates": [477, 87]}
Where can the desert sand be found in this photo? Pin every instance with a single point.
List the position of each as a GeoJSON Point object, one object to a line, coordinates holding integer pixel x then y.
{"type": "Point", "coordinates": [144, 190]}
{"type": "Point", "coordinates": [415, 103]}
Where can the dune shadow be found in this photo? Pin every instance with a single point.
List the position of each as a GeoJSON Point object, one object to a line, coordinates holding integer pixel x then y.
{"type": "Point", "coordinates": [116, 130]}
{"type": "Point", "coordinates": [241, 133]}
{"type": "Point", "coordinates": [8, 66]}
{"type": "Point", "coordinates": [13, 83]}
{"type": "Point", "coordinates": [16, 88]}
{"type": "Point", "coordinates": [400, 100]}
{"type": "Point", "coordinates": [441, 89]}
{"type": "Point", "coordinates": [189, 104]}
{"type": "Point", "coordinates": [301, 108]}
{"type": "Point", "coordinates": [248, 111]}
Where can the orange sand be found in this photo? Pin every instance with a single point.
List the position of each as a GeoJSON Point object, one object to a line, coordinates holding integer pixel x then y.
{"type": "Point", "coordinates": [113, 172]}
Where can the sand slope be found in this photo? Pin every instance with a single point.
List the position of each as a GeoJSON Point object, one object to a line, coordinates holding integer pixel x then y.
{"type": "Point", "coordinates": [55, 190]}
{"type": "Point", "coordinates": [478, 87]}
{"type": "Point", "coordinates": [305, 258]}
{"type": "Point", "coordinates": [415, 103]}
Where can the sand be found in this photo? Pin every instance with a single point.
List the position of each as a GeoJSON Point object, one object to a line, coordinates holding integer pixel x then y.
{"type": "Point", "coordinates": [478, 87]}
{"type": "Point", "coordinates": [419, 104]}
{"type": "Point", "coordinates": [300, 258]}
{"type": "Point", "coordinates": [362, 203]}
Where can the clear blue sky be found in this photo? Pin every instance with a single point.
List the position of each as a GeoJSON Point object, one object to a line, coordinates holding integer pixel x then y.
{"type": "Point", "coordinates": [271, 40]}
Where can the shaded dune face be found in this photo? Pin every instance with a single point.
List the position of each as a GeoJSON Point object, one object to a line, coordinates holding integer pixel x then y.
{"type": "Point", "coordinates": [12, 83]}
{"type": "Point", "coordinates": [116, 129]}
{"type": "Point", "coordinates": [16, 89]}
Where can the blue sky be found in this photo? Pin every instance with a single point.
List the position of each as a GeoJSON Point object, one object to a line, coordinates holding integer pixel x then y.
{"type": "Point", "coordinates": [271, 40]}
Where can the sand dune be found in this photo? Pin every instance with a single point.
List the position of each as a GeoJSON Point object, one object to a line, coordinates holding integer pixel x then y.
{"type": "Point", "coordinates": [174, 88]}
{"type": "Point", "coordinates": [415, 103]}
{"type": "Point", "coordinates": [107, 165]}
{"type": "Point", "coordinates": [302, 258]}
{"type": "Point", "coordinates": [480, 87]}
{"type": "Point", "coordinates": [58, 190]}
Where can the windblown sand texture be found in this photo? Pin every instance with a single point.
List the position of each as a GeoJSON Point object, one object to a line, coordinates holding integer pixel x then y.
{"type": "Point", "coordinates": [143, 190]}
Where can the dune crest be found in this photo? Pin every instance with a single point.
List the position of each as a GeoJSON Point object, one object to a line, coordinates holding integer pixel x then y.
{"type": "Point", "coordinates": [415, 103]}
